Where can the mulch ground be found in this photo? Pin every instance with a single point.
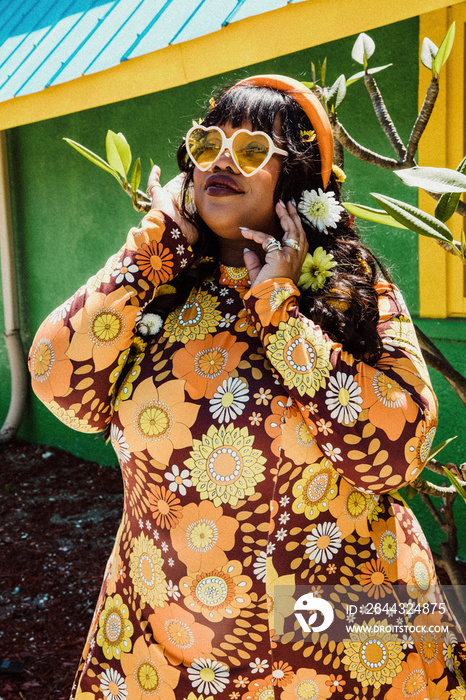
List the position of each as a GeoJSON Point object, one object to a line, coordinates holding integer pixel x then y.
{"type": "Point", "coordinates": [58, 518]}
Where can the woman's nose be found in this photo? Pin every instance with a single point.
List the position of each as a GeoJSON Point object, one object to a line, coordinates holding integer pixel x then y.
{"type": "Point", "coordinates": [225, 160]}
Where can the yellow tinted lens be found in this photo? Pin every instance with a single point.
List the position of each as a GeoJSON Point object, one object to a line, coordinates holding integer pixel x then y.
{"type": "Point", "coordinates": [250, 151]}
{"type": "Point", "coordinates": [204, 146]}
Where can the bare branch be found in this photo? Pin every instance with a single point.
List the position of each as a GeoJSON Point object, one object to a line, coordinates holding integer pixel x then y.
{"type": "Point", "coordinates": [432, 510]}
{"type": "Point", "coordinates": [423, 118]}
{"type": "Point", "coordinates": [430, 489]}
{"type": "Point", "coordinates": [384, 118]}
{"type": "Point", "coordinates": [359, 151]}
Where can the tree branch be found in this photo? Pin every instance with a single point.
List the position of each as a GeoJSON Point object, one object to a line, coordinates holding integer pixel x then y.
{"type": "Point", "coordinates": [359, 151]}
{"type": "Point", "coordinates": [439, 362]}
{"type": "Point", "coordinates": [429, 489]}
{"type": "Point", "coordinates": [432, 510]}
{"type": "Point", "coordinates": [384, 118]}
{"type": "Point", "coordinates": [423, 118]}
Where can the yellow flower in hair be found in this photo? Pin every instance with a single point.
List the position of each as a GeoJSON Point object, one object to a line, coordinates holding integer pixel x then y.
{"type": "Point", "coordinates": [307, 136]}
{"type": "Point", "coordinates": [339, 173]}
{"type": "Point", "coordinates": [212, 104]}
{"type": "Point", "coordinates": [316, 269]}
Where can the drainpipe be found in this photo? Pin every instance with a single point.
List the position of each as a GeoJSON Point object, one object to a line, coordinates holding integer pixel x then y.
{"type": "Point", "coordinates": [16, 355]}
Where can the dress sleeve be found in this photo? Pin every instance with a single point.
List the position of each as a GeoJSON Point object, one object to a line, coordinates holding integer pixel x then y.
{"type": "Point", "coordinates": [81, 348]}
{"type": "Point", "coordinates": [376, 424]}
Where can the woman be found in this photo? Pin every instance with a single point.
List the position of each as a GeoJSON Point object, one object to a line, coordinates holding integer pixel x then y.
{"type": "Point", "coordinates": [263, 402]}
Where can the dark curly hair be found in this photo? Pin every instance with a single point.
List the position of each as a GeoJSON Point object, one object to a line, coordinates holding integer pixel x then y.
{"type": "Point", "coordinates": [347, 306]}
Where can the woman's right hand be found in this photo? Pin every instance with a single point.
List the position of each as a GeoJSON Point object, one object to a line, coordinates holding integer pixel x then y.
{"type": "Point", "coordinates": [164, 199]}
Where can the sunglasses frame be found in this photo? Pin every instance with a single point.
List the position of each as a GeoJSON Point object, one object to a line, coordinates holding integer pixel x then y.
{"type": "Point", "coordinates": [227, 144]}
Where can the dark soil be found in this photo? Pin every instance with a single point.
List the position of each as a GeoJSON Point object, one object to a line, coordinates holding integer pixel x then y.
{"type": "Point", "coordinates": [58, 518]}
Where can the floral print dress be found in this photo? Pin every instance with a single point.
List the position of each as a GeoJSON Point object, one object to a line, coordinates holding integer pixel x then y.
{"type": "Point", "coordinates": [260, 462]}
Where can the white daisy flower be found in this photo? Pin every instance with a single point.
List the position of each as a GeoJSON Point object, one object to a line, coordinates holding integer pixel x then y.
{"type": "Point", "coordinates": [449, 643]}
{"type": "Point", "coordinates": [258, 665]}
{"type": "Point", "coordinates": [119, 444]}
{"type": "Point", "coordinates": [150, 324]}
{"type": "Point", "coordinates": [60, 312]}
{"type": "Point", "coordinates": [343, 398]}
{"type": "Point", "coordinates": [178, 480]}
{"type": "Point", "coordinates": [323, 542]}
{"type": "Point", "coordinates": [173, 590]}
{"type": "Point", "coordinates": [229, 400]}
{"type": "Point", "coordinates": [281, 534]}
{"type": "Point", "coordinates": [207, 676]}
{"type": "Point", "coordinates": [124, 271]}
{"type": "Point", "coordinates": [113, 685]}
{"type": "Point", "coordinates": [407, 641]}
{"type": "Point", "coordinates": [259, 566]}
{"type": "Point", "coordinates": [320, 209]}
{"type": "Point", "coordinates": [332, 453]}
{"type": "Point", "coordinates": [227, 320]}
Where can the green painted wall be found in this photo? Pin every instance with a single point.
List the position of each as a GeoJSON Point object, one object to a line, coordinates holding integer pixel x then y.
{"type": "Point", "coordinates": [70, 216]}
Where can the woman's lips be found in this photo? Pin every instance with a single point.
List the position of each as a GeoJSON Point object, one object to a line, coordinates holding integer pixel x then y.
{"type": "Point", "coordinates": [221, 186]}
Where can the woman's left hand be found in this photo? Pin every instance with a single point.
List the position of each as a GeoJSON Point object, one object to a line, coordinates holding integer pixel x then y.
{"type": "Point", "coordinates": [284, 261]}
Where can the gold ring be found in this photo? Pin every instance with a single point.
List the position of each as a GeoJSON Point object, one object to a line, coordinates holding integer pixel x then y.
{"type": "Point", "coordinates": [291, 243]}
{"type": "Point", "coordinates": [271, 245]}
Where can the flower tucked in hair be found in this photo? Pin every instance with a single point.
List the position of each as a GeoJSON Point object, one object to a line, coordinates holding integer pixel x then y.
{"type": "Point", "coordinates": [150, 324]}
{"type": "Point", "coordinates": [320, 209]}
{"type": "Point", "coordinates": [307, 136]}
{"type": "Point", "coordinates": [339, 173]}
{"type": "Point", "coordinates": [315, 270]}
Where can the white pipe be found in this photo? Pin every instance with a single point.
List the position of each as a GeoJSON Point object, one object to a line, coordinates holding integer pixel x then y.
{"type": "Point", "coordinates": [16, 355]}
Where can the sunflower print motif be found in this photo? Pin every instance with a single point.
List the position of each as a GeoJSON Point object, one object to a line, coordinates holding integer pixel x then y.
{"type": "Point", "coordinates": [258, 459]}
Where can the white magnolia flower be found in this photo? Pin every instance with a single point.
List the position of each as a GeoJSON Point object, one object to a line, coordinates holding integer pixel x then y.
{"type": "Point", "coordinates": [320, 209]}
{"type": "Point", "coordinates": [323, 542]}
{"type": "Point", "coordinates": [207, 676]}
{"type": "Point", "coordinates": [229, 400]}
{"type": "Point", "coordinates": [343, 398]}
{"type": "Point", "coordinates": [150, 324]}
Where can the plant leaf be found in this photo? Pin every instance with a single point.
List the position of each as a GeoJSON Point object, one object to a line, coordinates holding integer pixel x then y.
{"type": "Point", "coordinates": [433, 179]}
{"type": "Point", "coordinates": [136, 176]}
{"type": "Point", "coordinates": [410, 491]}
{"type": "Point", "coordinates": [413, 218]}
{"type": "Point", "coordinates": [93, 157]}
{"type": "Point", "coordinates": [433, 453]}
{"type": "Point", "coordinates": [455, 483]}
{"type": "Point", "coordinates": [378, 216]}
{"type": "Point", "coordinates": [323, 71]}
{"type": "Point", "coordinates": [336, 94]}
{"type": "Point", "coordinates": [118, 153]}
{"type": "Point", "coordinates": [363, 49]}
{"type": "Point", "coordinates": [446, 205]}
{"type": "Point", "coordinates": [428, 53]}
{"type": "Point", "coordinates": [362, 73]}
{"type": "Point", "coordinates": [443, 50]}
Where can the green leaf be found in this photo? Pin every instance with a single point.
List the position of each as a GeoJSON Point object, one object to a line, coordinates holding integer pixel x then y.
{"type": "Point", "coordinates": [378, 216]}
{"type": "Point", "coordinates": [370, 71]}
{"type": "Point", "coordinates": [428, 53]}
{"type": "Point", "coordinates": [136, 176]}
{"type": "Point", "coordinates": [438, 448]}
{"type": "Point", "coordinates": [363, 49]}
{"type": "Point", "coordinates": [323, 71]}
{"type": "Point", "coordinates": [443, 50]}
{"type": "Point", "coordinates": [336, 94]}
{"type": "Point", "coordinates": [433, 179]}
{"type": "Point", "coordinates": [455, 483]}
{"type": "Point", "coordinates": [410, 491]}
{"type": "Point", "coordinates": [118, 153]}
{"type": "Point", "coordinates": [93, 157]}
{"type": "Point", "coordinates": [413, 218]}
{"type": "Point", "coordinates": [446, 205]}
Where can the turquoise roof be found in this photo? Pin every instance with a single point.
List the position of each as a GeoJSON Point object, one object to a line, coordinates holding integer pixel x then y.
{"type": "Point", "coordinates": [47, 42]}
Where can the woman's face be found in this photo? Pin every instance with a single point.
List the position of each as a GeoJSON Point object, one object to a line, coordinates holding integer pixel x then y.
{"type": "Point", "coordinates": [226, 199]}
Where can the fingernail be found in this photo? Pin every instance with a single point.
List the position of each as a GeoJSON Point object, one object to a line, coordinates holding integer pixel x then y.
{"type": "Point", "coordinates": [245, 250]}
{"type": "Point", "coordinates": [280, 201]}
{"type": "Point", "coordinates": [243, 228]}
{"type": "Point", "coordinates": [293, 201]}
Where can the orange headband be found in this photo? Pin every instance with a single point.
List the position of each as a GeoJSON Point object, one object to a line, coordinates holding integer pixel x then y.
{"type": "Point", "coordinates": [311, 106]}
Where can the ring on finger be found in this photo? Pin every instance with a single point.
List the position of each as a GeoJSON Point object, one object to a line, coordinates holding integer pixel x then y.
{"type": "Point", "coordinates": [271, 245]}
{"type": "Point", "coordinates": [149, 189]}
{"type": "Point", "coordinates": [291, 243]}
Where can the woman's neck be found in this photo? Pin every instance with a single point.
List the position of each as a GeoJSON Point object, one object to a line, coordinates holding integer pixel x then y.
{"type": "Point", "coordinates": [231, 252]}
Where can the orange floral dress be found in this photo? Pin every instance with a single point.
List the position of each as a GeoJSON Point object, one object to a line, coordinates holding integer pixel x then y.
{"type": "Point", "coordinates": [260, 463]}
